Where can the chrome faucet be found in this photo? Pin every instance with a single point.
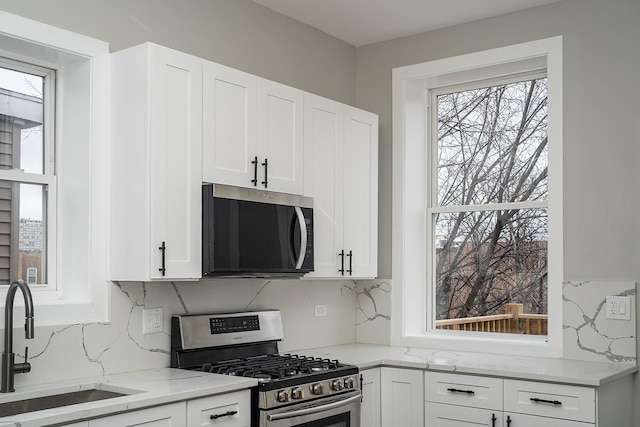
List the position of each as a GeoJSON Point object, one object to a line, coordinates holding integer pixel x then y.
{"type": "Point", "coordinates": [9, 367]}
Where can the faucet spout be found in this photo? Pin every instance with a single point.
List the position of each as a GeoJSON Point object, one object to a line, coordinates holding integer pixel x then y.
{"type": "Point", "coordinates": [9, 367]}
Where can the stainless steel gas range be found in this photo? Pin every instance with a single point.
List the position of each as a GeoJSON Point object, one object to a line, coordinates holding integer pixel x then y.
{"type": "Point", "coordinates": [293, 390]}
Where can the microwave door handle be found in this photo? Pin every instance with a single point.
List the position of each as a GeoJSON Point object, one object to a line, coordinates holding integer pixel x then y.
{"type": "Point", "coordinates": [303, 238]}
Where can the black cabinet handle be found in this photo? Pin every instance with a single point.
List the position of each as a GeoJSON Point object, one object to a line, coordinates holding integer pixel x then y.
{"type": "Point", "coordinates": [265, 164]}
{"type": "Point", "coordinates": [508, 421]}
{"type": "Point", "coordinates": [493, 420]}
{"type": "Point", "coordinates": [553, 402]}
{"type": "Point", "coordinates": [341, 270]}
{"type": "Point", "coordinates": [163, 250]}
{"type": "Point", "coordinates": [455, 390]}
{"type": "Point", "coordinates": [226, 414]}
{"type": "Point", "coordinates": [254, 162]}
{"type": "Point", "coordinates": [350, 270]}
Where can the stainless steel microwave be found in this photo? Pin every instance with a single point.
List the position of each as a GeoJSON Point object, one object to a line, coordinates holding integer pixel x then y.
{"type": "Point", "coordinates": [255, 233]}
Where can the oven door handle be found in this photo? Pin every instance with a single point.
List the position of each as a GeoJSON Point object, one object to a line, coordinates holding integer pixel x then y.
{"type": "Point", "coordinates": [307, 411]}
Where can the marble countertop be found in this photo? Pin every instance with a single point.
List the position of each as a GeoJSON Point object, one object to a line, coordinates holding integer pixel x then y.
{"type": "Point", "coordinates": [564, 371]}
{"type": "Point", "coordinates": [148, 388]}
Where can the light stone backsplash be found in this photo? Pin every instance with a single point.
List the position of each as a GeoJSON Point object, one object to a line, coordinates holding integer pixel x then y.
{"type": "Point", "coordinates": [75, 351]}
{"type": "Point", "coordinates": [84, 350]}
{"type": "Point", "coordinates": [588, 334]}
{"type": "Point", "coordinates": [373, 311]}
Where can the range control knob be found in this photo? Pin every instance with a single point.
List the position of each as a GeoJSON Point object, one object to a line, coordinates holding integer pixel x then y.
{"type": "Point", "coordinates": [348, 382]}
{"type": "Point", "coordinates": [297, 393]}
{"type": "Point", "coordinates": [337, 385]}
{"type": "Point", "coordinates": [284, 396]}
{"type": "Point", "coordinates": [317, 389]}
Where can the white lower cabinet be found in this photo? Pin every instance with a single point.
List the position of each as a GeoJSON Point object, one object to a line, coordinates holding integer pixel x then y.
{"type": "Point", "coordinates": [402, 400]}
{"type": "Point", "coordinates": [172, 415]}
{"type": "Point", "coordinates": [442, 415]}
{"type": "Point", "coordinates": [228, 410]}
{"type": "Point", "coordinates": [522, 420]}
{"type": "Point", "coordinates": [457, 400]}
{"type": "Point", "coordinates": [370, 409]}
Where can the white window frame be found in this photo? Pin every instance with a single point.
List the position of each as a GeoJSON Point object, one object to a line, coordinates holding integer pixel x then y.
{"type": "Point", "coordinates": [80, 214]}
{"type": "Point", "coordinates": [412, 310]}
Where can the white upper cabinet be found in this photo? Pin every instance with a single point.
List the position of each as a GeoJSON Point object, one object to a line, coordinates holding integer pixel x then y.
{"type": "Point", "coordinates": [156, 143]}
{"type": "Point", "coordinates": [252, 131]}
{"type": "Point", "coordinates": [341, 174]}
{"type": "Point", "coordinates": [280, 122]}
{"type": "Point", "coordinates": [229, 125]}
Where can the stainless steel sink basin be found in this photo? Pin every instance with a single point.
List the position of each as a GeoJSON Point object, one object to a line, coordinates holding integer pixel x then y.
{"type": "Point", "coordinates": [56, 400]}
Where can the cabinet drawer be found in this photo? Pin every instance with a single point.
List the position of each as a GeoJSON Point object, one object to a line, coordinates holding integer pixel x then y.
{"type": "Point", "coordinates": [465, 390]}
{"type": "Point", "coordinates": [439, 415]}
{"type": "Point", "coordinates": [521, 420]}
{"type": "Point", "coordinates": [550, 400]}
{"type": "Point", "coordinates": [229, 410]}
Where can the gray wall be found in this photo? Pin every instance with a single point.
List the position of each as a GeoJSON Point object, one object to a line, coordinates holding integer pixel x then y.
{"type": "Point", "coordinates": [601, 121]}
{"type": "Point", "coordinates": [237, 33]}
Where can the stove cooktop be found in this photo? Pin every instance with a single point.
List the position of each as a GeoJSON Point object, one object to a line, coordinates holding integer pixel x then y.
{"type": "Point", "coordinates": [275, 370]}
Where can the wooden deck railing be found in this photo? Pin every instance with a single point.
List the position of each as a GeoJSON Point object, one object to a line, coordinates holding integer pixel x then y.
{"type": "Point", "coordinates": [514, 321]}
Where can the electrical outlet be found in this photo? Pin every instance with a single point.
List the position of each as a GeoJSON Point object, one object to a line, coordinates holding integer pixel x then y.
{"type": "Point", "coordinates": [619, 307]}
{"type": "Point", "coordinates": [321, 310]}
{"type": "Point", "coordinates": [152, 321]}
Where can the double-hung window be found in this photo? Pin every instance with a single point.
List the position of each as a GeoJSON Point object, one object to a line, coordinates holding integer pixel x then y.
{"type": "Point", "coordinates": [477, 201]}
{"type": "Point", "coordinates": [27, 174]}
{"type": "Point", "coordinates": [487, 205]}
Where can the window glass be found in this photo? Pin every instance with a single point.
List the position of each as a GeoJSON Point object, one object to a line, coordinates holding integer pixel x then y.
{"type": "Point", "coordinates": [489, 213]}
{"type": "Point", "coordinates": [23, 197]}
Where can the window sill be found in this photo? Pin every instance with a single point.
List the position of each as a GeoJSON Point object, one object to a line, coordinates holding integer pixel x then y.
{"type": "Point", "coordinates": [479, 342]}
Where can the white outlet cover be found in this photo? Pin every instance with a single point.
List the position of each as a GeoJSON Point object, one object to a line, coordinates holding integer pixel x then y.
{"type": "Point", "coordinates": [152, 321]}
{"type": "Point", "coordinates": [320, 310]}
{"type": "Point", "coordinates": [618, 307]}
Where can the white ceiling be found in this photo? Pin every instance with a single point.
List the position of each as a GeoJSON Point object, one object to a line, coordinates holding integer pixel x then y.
{"type": "Point", "coordinates": [361, 22]}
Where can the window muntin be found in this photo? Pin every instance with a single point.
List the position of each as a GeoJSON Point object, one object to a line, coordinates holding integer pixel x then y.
{"type": "Point", "coordinates": [487, 210]}
{"type": "Point", "coordinates": [27, 181]}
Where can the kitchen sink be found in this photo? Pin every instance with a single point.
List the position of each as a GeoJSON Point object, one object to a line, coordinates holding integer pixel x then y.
{"type": "Point", "coordinates": [39, 403]}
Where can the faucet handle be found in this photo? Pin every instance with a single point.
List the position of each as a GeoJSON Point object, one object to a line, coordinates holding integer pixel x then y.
{"type": "Point", "coordinates": [20, 368]}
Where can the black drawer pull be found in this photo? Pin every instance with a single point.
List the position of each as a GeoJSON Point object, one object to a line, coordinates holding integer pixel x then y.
{"type": "Point", "coordinates": [455, 390]}
{"type": "Point", "coordinates": [553, 402]}
{"type": "Point", "coordinates": [226, 414]}
{"type": "Point", "coordinates": [493, 420]}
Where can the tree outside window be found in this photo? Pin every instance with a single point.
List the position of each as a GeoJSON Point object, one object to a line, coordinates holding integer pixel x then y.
{"type": "Point", "coordinates": [488, 213]}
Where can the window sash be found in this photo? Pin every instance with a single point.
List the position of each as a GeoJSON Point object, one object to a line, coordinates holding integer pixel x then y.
{"type": "Point", "coordinates": [432, 208]}
{"type": "Point", "coordinates": [48, 178]}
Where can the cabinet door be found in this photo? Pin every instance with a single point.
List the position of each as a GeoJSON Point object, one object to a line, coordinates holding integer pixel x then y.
{"type": "Point", "coordinates": [229, 126]}
{"type": "Point", "coordinates": [360, 199]}
{"type": "Point", "coordinates": [370, 409]}
{"type": "Point", "coordinates": [279, 136]}
{"type": "Point", "coordinates": [175, 100]}
{"type": "Point", "coordinates": [521, 420]}
{"type": "Point", "coordinates": [402, 397]}
{"type": "Point", "coordinates": [441, 415]}
{"type": "Point", "coordinates": [161, 416]}
{"type": "Point", "coordinates": [323, 163]}
{"type": "Point", "coordinates": [228, 410]}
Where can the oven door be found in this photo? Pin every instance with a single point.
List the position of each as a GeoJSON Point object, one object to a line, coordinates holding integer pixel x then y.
{"type": "Point", "coordinates": [335, 411]}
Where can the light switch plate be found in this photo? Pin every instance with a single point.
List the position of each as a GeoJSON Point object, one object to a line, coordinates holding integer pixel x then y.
{"type": "Point", "coordinates": [618, 307]}
{"type": "Point", "coordinates": [152, 321]}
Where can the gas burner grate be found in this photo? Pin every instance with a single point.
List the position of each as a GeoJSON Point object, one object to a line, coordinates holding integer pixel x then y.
{"type": "Point", "coordinates": [271, 366]}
